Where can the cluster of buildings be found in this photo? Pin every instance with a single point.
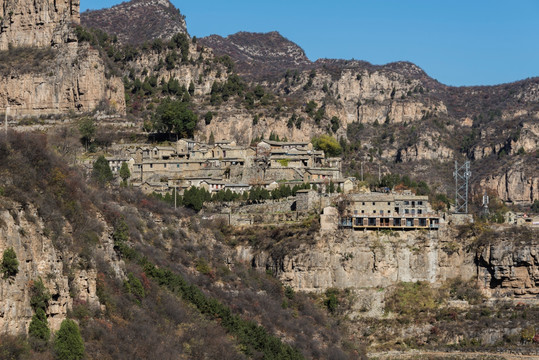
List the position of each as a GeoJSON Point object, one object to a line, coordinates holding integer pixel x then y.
{"type": "Point", "coordinates": [224, 165]}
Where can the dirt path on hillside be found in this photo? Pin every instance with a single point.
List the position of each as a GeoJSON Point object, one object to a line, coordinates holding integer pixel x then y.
{"type": "Point", "coordinates": [417, 355]}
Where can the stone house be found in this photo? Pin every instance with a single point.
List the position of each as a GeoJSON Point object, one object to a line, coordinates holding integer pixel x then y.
{"type": "Point", "coordinates": [388, 211]}
{"type": "Point", "coordinates": [212, 185]}
{"type": "Point", "coordinates": [237, 188]}
{"type": "Point", "coordinates": [115, 163]}
{"type": "Point", "coordinates": [185, 146]}
{"type": "Point", "coordinates": [315, 174]}
{"type": "Point", "coordinates": [274, 145]}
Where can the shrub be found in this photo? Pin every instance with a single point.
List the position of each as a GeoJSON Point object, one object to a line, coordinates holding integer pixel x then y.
{"type": "Point", "coordinates": [328, 144]}
{"type": "Point", "coordinates": [331, 302]}
{"type": "Point", "coordinates": [535, 206]}
{"type": "Point", "coordinates": [134, 286]}
{"type": "Point", "coordinates": [68, 344]}
{"type": "Point", "coordinates": [464, 290]}
{"type": "Point", "coordinates": [10, 264]}
{"type": "Point", "coordinates": [12, 347]}
{"type": "Point", "coordinates": [40, 296]}
{"type": "Point", "coordinates": [411, 299]}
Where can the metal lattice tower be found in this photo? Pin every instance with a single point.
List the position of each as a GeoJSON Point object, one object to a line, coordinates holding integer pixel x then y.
{"type": "Point", "coordinates": [462, 176]}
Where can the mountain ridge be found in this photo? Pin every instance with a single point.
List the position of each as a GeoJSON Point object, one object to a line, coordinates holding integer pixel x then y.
{"type": "Point", "coordinates": [137, 21]}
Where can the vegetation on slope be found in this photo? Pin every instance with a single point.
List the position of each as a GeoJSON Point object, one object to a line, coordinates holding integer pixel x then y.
{"type": "Point", "coordinates": [179, 289]}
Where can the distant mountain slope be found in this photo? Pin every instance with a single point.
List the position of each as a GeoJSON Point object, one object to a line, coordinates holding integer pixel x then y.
{"type": "Point", "coordinates": [259, 54]}
{"type": "Point", "coordinates": [137, 21]}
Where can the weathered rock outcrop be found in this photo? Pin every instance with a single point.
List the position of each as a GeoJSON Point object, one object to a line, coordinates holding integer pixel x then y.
{"type": "Point", "coordinates": [518, 183]}
{"type": "Point", "coordinates": [74, 79]}
{"type": "Point", "coordinates": [69, 77]}
{"type": "Point", "coordinates": [368, 263]}
{"type": "Point", "coordinates": [37, 23]}
{"type": "Point", "coordinates": [23, 230]}
{"type": "Point", "coordinates": [508, 268]}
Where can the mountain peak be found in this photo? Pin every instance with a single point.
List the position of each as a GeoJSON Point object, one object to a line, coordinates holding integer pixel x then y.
{"type": "Point", "coordinates": [259, 54]}
{"type": "Point", "coordinates": [137, 21]}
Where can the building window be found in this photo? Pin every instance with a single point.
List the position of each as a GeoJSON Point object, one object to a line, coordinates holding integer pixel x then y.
{"type": "Point", "coordinates": [363, 203]}
{"type": "Point", "coordinates": [419, 211]}
{"type": "Point", "coordinates": [151, 166]}
{"type": "Point", "coordinates": [165, 165]}
{"type": "Point", "coordinates": [355, 212]}
{"type": "Point", "coordinates": [388, 203]}
{"type": "Point", "coordinates": [420, 203]}
{"type": "Point", "coordinates": [363, 211]}
{"type": "Point", "coordinates": [406, 211]}
{"type": "Point", "coordinates": [373, 203]}
{"type": "Point", "coordinates": [374, 211]}
{"type": "Point", "coordinates": [406, 202]}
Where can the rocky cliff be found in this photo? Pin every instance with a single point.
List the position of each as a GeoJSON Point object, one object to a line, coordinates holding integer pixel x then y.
{"type": "Point", "coordinates": [370, 263]}
{"type": "Point", "coordinates": [39, 258]}
{"type": "Point", "coordinates": [39, 23]}
{"type": "Point", "coordinates": [72, 78]}
{"type": "Point", "coordinates": [396, 112]}
{"type": "Point", "coordinates": [509, 265]}
{"type": "Point", "coordinates": [44, 70]}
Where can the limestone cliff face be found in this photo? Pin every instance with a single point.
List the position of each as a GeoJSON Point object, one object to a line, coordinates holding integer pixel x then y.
{"type": "Point", "coordinates": [237, 124]}
{"type": "Point", "coordinates": [518, 183]}
{"type": "Point", "coordinates": [425, 149]}
{"type": "Point", "coordinates": [365, 96]}
{"type": "Point", "coordinates": [509, 268]}
{"type": "Point", "coordinates": [73, 80]}
{"type": "Point", "coordinates": [370, 263]}
{"type": "Point", "coordinates": [359, 260]}
{"type": "Point", "coordinates": [199, 72]}
{"type": "Point", "coordinates": [37, 23]}
{"type": "Point", "coordinates": [525, 138]}
{"type": "Point", "coordinates": [24, 231]}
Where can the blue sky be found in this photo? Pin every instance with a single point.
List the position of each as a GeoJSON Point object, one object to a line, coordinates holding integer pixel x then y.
{"type": "Point", "coordinates": [474, 42]}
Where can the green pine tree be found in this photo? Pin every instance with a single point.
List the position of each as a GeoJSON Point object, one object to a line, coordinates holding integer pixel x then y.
{"type": "Point", "coordinates": [10, 264]}
{"type": "Point", "coordinates": [39, 327]}
{"type": "Point", "coordinates": [68, 344]}
{"type": "Point", "coordinates": [124, 172]}
{"type": "Point", "coordinates": [101, 171]}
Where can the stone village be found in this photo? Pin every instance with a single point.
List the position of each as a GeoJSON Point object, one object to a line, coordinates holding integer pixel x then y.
{"type": "Point", "coordinates": [226, 166]}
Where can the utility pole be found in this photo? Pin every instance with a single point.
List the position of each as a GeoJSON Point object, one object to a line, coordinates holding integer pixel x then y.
{"type": "Point", "coordinates": [361, 170]}
{"type": "Point", "coordinates": [5, 120]}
